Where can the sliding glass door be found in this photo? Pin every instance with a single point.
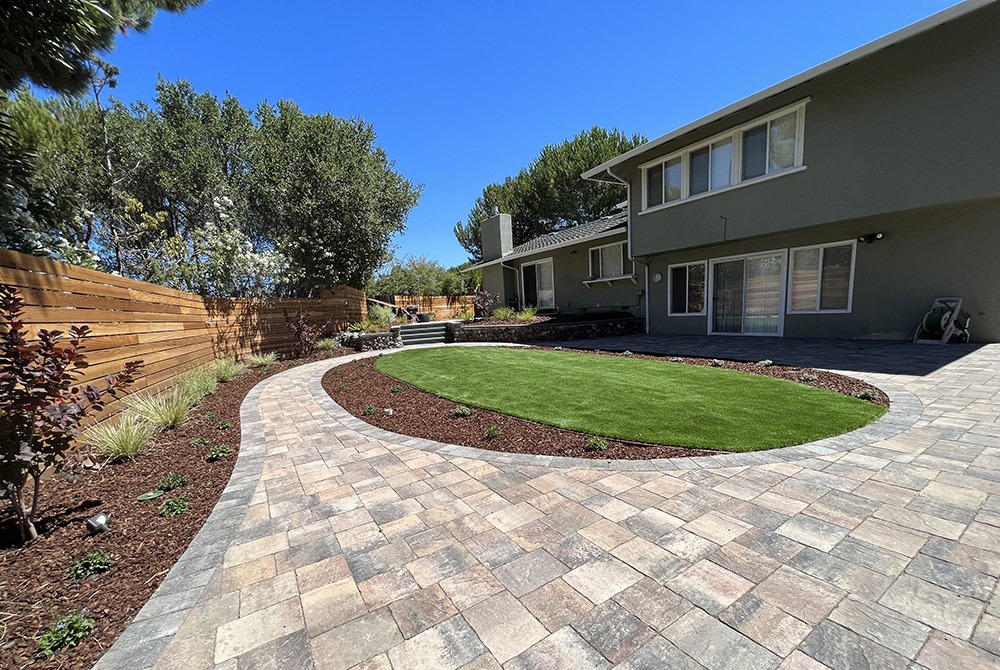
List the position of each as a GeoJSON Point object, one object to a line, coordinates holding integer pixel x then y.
{"type": "Point", "coordinates": [747, 295]}
{"type": "Point", "coordinates": [538, 284]}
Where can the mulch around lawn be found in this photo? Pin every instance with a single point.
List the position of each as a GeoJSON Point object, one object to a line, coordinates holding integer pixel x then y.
{"type": "Point", "coordinates": [366, 393]}
{"type": "Point", "coordinates": [35, 589]}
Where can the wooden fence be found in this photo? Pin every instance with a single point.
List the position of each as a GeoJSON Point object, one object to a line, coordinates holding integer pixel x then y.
{"type": "Point", "coordinates": [443, 306]}
{"type": "Point", "coordinates": [170, 330]}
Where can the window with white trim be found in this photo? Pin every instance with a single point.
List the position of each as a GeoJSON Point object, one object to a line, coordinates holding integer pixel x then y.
{"type": "Point", "coordinates": [766, 146]}
{"type": "Point", "coordinates": [822, 278]}
{"type": "Point", "coordinates": [686, 288]}
{"type": "Point", "coordinates": [607, 262]}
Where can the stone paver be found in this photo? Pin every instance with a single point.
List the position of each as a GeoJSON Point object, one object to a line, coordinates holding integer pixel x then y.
{"type": "Point", "coordinates": [339, 545]}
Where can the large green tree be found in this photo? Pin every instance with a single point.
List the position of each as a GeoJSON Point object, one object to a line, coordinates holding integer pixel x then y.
{"type": "Point", "coordinates": [51, 43]}
{"type": "Point", "coordinates": [326, 194]}
{"type": "Point", "coordinates": [549, 194]}
{"type": "Point", "coordinates": [417, 275]}
{"type": "Point", "coordinates": [201, 194]}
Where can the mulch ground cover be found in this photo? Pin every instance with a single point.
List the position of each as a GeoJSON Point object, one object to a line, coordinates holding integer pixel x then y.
{"type": "Point", "coordinates": [368, 394]}
{"type": "Point", "coordinates": [36, 590]}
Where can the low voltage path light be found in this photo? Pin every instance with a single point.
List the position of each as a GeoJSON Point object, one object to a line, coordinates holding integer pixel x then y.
{"type": "Point", "coordinates": [98, 523]}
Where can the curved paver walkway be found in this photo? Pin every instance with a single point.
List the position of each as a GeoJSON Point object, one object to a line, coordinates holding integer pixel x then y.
{"type": "Point", "coordinates": [333, 548]}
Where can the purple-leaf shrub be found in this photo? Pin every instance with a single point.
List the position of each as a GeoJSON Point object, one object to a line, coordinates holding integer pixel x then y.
{"type": "Point", "coordinates": [40, 406]}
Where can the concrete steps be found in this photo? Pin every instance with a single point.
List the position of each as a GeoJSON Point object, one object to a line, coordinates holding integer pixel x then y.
{"type": "Point", "coordinates": [433, 332]}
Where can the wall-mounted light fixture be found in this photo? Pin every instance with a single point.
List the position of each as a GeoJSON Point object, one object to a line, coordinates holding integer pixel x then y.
{"type": "Point", "coordinates": [870, 237]}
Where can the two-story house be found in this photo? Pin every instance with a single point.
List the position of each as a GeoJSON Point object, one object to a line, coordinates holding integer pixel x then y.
{"type": "Point", "coordinates": [838, 203]}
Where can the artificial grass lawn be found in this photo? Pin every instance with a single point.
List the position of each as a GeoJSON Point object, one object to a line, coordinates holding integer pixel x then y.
{"type": "Point", "coordinates": [634, 399]}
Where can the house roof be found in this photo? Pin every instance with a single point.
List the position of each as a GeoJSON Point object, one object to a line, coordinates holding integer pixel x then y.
{"type": "Point", "coordinates": [600, 173]}
{"type": "Point", "coordinates": [603, 227]}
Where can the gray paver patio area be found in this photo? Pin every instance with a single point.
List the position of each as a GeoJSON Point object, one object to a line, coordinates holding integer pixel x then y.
{"type": "Point", "coordinates": [339, 546]}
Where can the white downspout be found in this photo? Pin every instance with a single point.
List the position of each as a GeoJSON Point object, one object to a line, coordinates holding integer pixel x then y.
{"type": "Point", "coordinates": [628, 237]}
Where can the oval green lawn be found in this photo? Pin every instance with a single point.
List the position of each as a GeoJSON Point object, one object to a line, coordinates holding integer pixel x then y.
{"type": "Point", "coordinates": [633, 399]}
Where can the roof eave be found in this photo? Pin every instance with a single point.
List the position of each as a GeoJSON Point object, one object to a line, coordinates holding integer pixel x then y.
{"type": "Point", "coordinates": [618, 230]}
{"type": "Point", "coordinates": [905, 33]}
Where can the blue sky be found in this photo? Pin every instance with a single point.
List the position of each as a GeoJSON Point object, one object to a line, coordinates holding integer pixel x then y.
{"type": "Point", "coordinates": [462, 94]}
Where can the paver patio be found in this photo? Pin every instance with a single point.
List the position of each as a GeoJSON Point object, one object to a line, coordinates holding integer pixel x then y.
{"type": "Point", "coordinates": [338, 545]}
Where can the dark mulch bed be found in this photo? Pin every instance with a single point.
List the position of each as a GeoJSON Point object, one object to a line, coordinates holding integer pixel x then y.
{"type": "Point", "coordinates": [34, 586]}
{"type": "Point", "coordinates": [358, 387]}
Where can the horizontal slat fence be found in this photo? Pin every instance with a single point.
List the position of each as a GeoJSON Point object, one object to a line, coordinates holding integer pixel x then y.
{"type": "Point", "coordinates": [443, 306]}
{"type": "Point", "coordinates": [170, 330]}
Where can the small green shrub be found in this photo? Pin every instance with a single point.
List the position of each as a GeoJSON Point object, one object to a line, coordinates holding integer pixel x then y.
{"type": "Point", "coordinates": [766, 363]}
{"type": "Point", "coordinates": [262, 360]}
{"type": "Point", "coordinates": [395, 388]}
{"type": "Point", "coordinates": [627, 353]}
{"type": "Point", "coordinates": [174, 507]}
{"type": "Point", "coordinates": [212, 416]}
{"type": "Point", "coordinates": [716, 363]}
{"type": "Point", "coordinates": [197, 383]}
{"type": "Point", "coordinates": [227, 369]}
{"type": "Point", "coordinates": [93, 563]}
{"type": "Point", "coordinates": [503, 313]}
{"type": "Point", "coordinates": [868, 394]}
{"type": "Point", "coordinates": [327, 344]}
{"type": "Point", "coordinates": [225, 425]}
{"type": "Point", "coordinates": [676, 359]}
{"type": "Point", "coordinates": [174, 480]}
{"type": "Point", "coordinates": [381, 315]}
{"type": "Point", "coordinates": [368, 411]}
{"type": "Point", "coordinates": [199, 442]}
{"type": "Point", "coordinates": [596, 444]}
{"type": "Point", "coordinates": [461, 411]}
{"type": "Point", "coordinates": [167, 409]}
{"type": "Point", "coordinates": [557, 348]}
{"type": "Point", "coordinates": [491, 432]}
{"type": "Point", "coordinates": [66, 632]}
{"type": "Point", "coordinates": [218, 452]}
{"type": "Point", "coordinates": [526, 314]}
{"type": "Point", "coordinates": [808, 377]}
{"type": "Point", "coordinates": [124, 439]}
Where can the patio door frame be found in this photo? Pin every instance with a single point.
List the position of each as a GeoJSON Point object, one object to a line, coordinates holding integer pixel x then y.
{"type": "Point", "coordinates": [520, 281]}
{"type": "Point", "coordinates": [782, 291]}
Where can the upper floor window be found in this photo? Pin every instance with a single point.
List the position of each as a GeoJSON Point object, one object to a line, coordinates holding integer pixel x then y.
{"type": "Point", "coordinates": [608, 261]}
{"type": "Point", "coordinates": [822, 278]}
{"type": "Point", "coordinates": [766, 146]}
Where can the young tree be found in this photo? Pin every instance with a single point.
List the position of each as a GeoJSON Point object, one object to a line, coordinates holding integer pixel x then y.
{"type": "Point", "coordinates": [549, 194]}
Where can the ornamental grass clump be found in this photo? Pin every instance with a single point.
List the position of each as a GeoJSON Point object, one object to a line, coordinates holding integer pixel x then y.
{"type": "Point", "coordinates": [527, 314]}
{"type": "Point", "coordinates": [870, 395]}
{"type": "Point", "coordinates": [120, 440]}
{"type": "Point", "coordinates": [503, 313]}
{"type": "Point", "coordinates": [596, 444]}
{"type": "Point", "coordinates": [197, 383]}
{"type": "Point", "coordinates": [167, 409]}
{"type": "Point", "coordinates": [262, 360]}
{"type": "Point", "coordinates": [227, 369]}
{"type": "Point", "coordinates": [327, 344]}
{"type": "Point", "coordinates": [43, 405]}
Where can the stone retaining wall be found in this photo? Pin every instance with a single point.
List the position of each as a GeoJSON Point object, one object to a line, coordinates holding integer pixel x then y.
{"type": "Point", "coordinates": [393, 339]}
{"type": "Point", "coordinates": [545, 331]}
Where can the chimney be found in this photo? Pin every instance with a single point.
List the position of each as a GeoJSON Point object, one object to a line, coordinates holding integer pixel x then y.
{"type": "Point", "coordinates": [497, 238]}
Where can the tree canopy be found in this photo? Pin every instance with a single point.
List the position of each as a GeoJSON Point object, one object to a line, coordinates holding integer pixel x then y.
{"type": "Point", "coordinates": [52, 43]}
{"type": "Point", "coordinates": [205, 195]}
{"type": "Point", "coordinates": [549, 194]}
{"type": "Point", "coordinates": [420, 276]}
